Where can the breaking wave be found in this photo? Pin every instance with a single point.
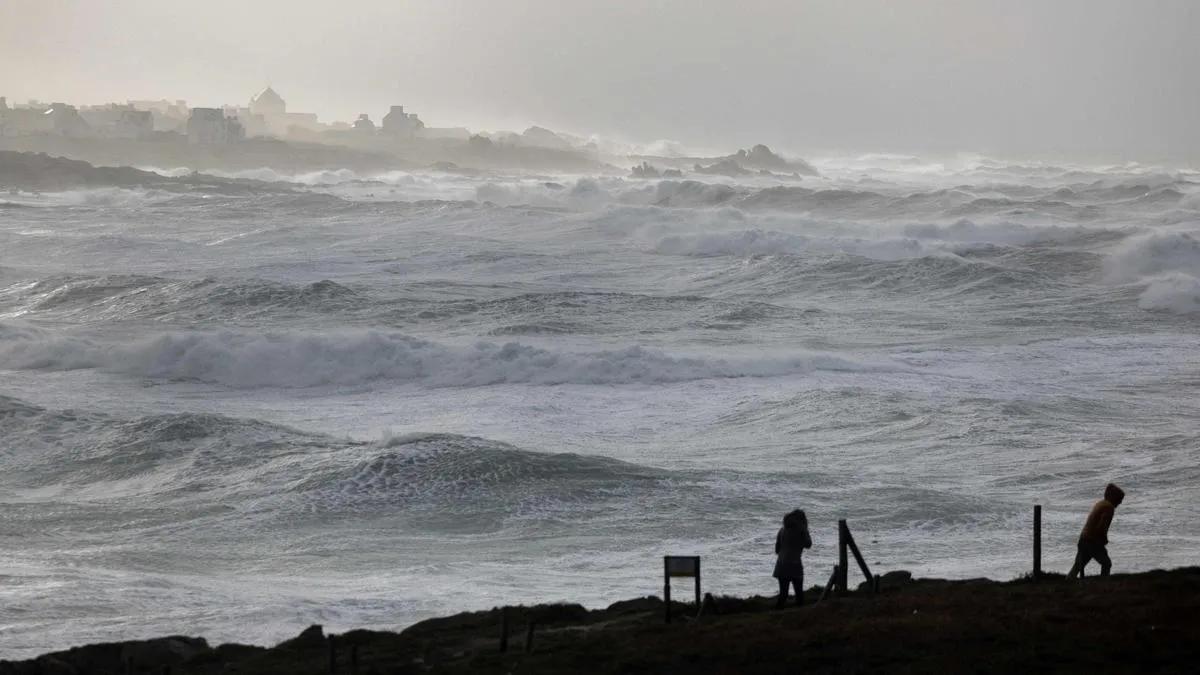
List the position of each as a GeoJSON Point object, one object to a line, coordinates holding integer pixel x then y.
{"type": "Point", "coordinates": [1167, 264]}
{"type": "Point", "coordinates": [310, 359]}
{"type": "Point", "coordinates": [463, 480]}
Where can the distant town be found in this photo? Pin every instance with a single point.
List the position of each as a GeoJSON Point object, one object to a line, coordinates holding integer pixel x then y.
{"type": "Point", "coordinates": [265, 133]}
{"type": "Point", "coordinates": [265, 115]}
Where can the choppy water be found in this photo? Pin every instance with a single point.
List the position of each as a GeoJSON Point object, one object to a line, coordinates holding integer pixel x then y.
{"type": "Point", "coordinates": [363, 401]}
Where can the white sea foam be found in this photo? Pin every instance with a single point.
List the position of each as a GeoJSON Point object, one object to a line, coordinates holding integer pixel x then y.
{"type": "Point", "coordinates": [1167, 264]}
{"type": "Point", "coordinates": [1174, 292]}
{"type": "Point", "coordinates": [778, 311]}
{"type": "Point", "coordinates": [1154, 253]}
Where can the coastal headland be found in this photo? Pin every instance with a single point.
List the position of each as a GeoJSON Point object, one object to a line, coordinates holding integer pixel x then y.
{"type": "Point", "coordinates": [1147, 622]}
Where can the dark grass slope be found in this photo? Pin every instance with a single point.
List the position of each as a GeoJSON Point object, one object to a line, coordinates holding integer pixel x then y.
{"type": "Point", "coordinates": [1148, 622]}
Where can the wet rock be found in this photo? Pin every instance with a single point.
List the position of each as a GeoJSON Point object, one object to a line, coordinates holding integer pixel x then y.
{"type": "Point", "coordinates": [644, 170]}
{"type": "Point", "coordinates": [310, 638]}
{"type": "Point", "coordinates": [169, 651]}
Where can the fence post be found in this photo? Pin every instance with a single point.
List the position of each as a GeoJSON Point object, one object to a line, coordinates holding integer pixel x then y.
{"type": "Point", "coordinates": [332, 653]}
{"type": "Point", "coordinates": [843, 567]}
{"type": "Point", "coordinates": [503, 630]}
{"type": "Point", "coordinates": [829, 586]}
{"type": "Point", "coordinates": [858, 556]}
{"type": "Point", "coordinates": [529, 636]}
{"type": "Point", "coordinates": [667, 587]}
{"type": "Point", "coordinates": [1037, 542]}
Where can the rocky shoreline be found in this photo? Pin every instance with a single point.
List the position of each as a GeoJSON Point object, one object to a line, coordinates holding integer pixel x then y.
{"type": "Point", "coordinates": [1146, 622]}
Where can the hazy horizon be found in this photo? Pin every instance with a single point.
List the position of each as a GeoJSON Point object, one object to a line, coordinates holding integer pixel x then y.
{"type": "Point", "coordinates": [1096, 79]}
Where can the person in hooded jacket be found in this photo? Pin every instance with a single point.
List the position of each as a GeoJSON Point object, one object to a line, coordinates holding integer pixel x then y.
{"type": "Point", "coordinates": [1093, 541]}
{"type": "Point", "coordinates": [790, 543]}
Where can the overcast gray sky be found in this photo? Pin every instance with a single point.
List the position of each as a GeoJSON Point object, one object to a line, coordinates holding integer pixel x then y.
{"type": "Point", "coordinates": [1084, 78]}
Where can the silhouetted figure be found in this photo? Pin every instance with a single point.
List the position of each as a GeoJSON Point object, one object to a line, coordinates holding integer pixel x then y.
{"type": "Point", "coordinates": [1093, 541]}
{"type": "Point", "coordinates": [790, 543]}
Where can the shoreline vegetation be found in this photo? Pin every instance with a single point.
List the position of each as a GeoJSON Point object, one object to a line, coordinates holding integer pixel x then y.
{"type": "Point", "coordinates": [1143, 622]}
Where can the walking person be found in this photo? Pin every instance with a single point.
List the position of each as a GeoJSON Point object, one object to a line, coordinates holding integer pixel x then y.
{"type": "Point", "coordinates": [790, 543]}
{"type": "Point", "coordinates": [1093, 541]}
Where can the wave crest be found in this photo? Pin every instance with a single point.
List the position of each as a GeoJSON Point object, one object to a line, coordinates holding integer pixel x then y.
{"type": "Point", "coordinates": [300, 359]}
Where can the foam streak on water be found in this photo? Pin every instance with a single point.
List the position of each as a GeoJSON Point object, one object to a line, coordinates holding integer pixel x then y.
{"type": "Point", "coordinates": [375, 399]}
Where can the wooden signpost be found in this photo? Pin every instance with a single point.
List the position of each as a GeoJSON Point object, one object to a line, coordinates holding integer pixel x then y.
{"type": "Point", "coordinates": [680, 566]}
{"type": "Point", "coordinates": [1037, 542]}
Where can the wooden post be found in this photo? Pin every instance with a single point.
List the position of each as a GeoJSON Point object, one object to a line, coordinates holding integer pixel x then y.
{"type": "Point", "coordinates": [858, 556]}
{"type": "Point", "coordinates": [667, 587]}
{"type": "Point", "coordinates": [697, 585]}
{"type": "Point", "coordinates": [709, 605]}
{"type": "Point", "coordinates": [503, 630]}
{"type": "Point", "coordinates": [833, 578]}
{"type": "Point", "coordinates": [1037, 542]}
{"type": "Point", "coordinates": [529, 636]}
{"type": "Point", "coordinates": [332, 653]}
{"type": "Point", "coordinates": [354, 659]}
{"type": "Point", "coordinates": [843, 559]}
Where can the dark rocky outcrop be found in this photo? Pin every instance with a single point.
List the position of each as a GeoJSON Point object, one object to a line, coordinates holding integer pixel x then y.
{"type": "Point", "coordinates": [1126, 623]}
{"type": "Point", "coordinates": [139, 656]}
{"type": "Point", "coordinates": [644, 170]}
{"type": "Point", "coordinates": [758, 159]}
{"type": "Point", "coordinates": [761, 158]}
{"type": "Point", "coordinates": [38, 172]}
{"type": "Point", "coordinates": [725, 167]}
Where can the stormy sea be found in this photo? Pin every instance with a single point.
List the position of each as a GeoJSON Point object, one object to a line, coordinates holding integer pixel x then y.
{"type": "Point", "coordinates": [365, 400]}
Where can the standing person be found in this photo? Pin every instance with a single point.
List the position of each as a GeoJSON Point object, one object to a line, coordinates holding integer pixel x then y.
{"type": "Point", "coordinates": [790, 543]}
{"type": "Point", "coordinates": [1094, 538]}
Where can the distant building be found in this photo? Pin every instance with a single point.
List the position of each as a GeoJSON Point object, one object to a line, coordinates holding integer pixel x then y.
{"type": "Point", "coordinates": [272, 109]}
{"type": "Point", "coordinates": [399, 123]}
{"type": "Point", "coordinates": [67, 121]}
{"type": "Point", "coordinates": [118, 121]}
{"type": "Point", "coordinates": [102, 118]}
{"type": "Point", "coordinates": [167, 115]}
{"type": "Point", "coordinates": [33, 119]}
{"type": "Point", "coordinates": [25, 120]}
{"type": "Point", "coordinates": [300, 121]}
{"type": "Point", "coordinates": [268, 103]}
{"type": "Point", "coordinates": [134, 124]}
{"type": "Point", "coordinates": [254, 125]}
{"type": "Point", "coordinates": [364, 125]}
{"type": "Point", "coordinates": [210, 126]}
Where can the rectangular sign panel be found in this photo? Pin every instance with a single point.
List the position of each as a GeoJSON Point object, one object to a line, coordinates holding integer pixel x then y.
{"type": "Point", "coordinates": [683, 566]}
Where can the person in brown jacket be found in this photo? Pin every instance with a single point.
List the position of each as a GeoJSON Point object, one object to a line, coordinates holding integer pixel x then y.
{"type": "Point", "coordinates": [790, 543]}
{"type": "Point", "coordinates": [1093, 541]}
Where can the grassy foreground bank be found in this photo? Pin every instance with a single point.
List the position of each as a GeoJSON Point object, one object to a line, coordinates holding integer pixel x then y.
{"type": "Point", "coordinates": [1147, 622]}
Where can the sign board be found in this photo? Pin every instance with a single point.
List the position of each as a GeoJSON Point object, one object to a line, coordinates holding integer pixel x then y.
{"type": "Point", "coordinates": [683, 565]}
{"type": "Point", "coordinates": [680, 566]}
